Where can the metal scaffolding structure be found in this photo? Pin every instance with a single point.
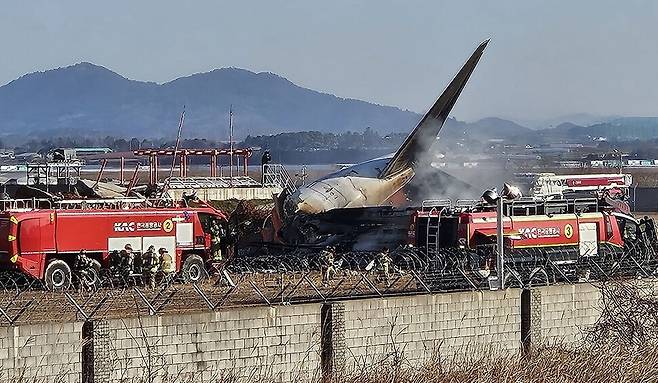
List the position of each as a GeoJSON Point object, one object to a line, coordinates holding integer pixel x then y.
{"type": "Point", "coordinates": [183, 161]}
{"type": "Point", "coordinates": [54, 173]}
{"type": "Point", "coordinates": [212, 182]}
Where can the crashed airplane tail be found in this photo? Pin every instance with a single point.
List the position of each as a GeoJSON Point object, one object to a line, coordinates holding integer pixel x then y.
{"type": "Point", "coordinates": [423, 136]}
{"type": "Point", "coordinates": [372, 183]}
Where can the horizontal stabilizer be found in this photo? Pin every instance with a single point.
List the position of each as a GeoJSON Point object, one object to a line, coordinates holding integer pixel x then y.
{"type": "Point", "coordinates": [423, 136]}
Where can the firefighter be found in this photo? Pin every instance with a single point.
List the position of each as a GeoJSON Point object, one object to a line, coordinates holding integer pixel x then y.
{"type": "Point", "coordinates": [648, 229]}
{"type": "Point", "coordinates": [230, 243]}
{"type": "Point", "coordinates": [115, 262]}
{"type": "Point", "coordinates": [167, 264]}
{"type": "Point", "coordinates": [150, 264]}
{"type": "Point", "coordinates": [384, 261]}
{"type": "Point", "coordinates": [216, 234]}
{"type": "Point", "coordinates": [265, 160]}
{"type": "Point", "coordinates": [83, 265]}
{"type": "Point", "coordinates": [127, 260]}
{"type": "Point", "coordinates": [327, 264]}
{"type": "Point", "coordinates": [630, 232]}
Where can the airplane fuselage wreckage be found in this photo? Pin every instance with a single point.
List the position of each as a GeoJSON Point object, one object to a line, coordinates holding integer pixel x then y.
{"type": "Point", "coordinates": [372, 183]}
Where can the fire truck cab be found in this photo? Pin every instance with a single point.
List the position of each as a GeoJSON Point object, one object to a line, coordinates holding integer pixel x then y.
{"type": "Point", "coordinates": [44, 243]}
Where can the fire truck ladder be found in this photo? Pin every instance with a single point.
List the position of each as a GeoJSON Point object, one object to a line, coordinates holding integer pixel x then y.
{"type": "Point", "coordinates": [435, 209]}
{"type": "Point", "coordinates": [25, 204]}
{"type": "Point", "coordinates": [108, 203]}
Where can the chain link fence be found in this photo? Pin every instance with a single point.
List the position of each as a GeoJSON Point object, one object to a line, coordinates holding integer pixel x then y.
{"type": "Point", "coordinates": [286, 276]}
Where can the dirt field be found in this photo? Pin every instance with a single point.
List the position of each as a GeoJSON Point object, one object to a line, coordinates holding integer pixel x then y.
{"type": "Point", "coordinates": [257, 289]}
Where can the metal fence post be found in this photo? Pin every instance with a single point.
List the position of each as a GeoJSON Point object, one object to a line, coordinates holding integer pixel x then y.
{"type": "Point", "coordinates": [500, 243]}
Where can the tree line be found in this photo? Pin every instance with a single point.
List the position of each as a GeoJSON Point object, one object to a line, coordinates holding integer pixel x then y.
{"type": "Point", "coordinates": [298, 141]}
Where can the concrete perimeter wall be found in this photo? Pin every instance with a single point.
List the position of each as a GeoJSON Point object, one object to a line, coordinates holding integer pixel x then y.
{"type": "Point", "coordinates": [279, 342]}
{"type": "Point", "coordinates": [418, 327]}
{"type": "Point", "coordinates": [565, 311]}
{"type": "Point", "coordinates": [51, 352]}
{"type": "Point", "coordinates": [297, 342]}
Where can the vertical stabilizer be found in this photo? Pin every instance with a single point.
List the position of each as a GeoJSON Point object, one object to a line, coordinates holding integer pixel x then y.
{"type": "Point", "coordinates": [423, 136]}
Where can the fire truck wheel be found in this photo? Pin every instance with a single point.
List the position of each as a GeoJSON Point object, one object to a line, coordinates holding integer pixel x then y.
{"type": "Point", "coordinates": [193, 269]}
{"type": "Point", "coordinates": [58, 275]}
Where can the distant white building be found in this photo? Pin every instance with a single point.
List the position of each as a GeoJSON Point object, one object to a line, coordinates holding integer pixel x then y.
{"type": "Point", "coordinates": [570, 164]}
{"type": "Point", "coordinates": [642, 163]}
{"type": "Point", "coordinates": [91, 151]}
{"type": "Point", "coordinates": [6, 154]}
{"type": "Point", "coordinates": [604, 163]}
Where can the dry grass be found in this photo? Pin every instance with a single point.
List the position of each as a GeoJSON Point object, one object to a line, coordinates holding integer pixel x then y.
{"type": "Point", "coordinates": [550, 364]}
{"type": "Point", "coordinates": [546, 364]}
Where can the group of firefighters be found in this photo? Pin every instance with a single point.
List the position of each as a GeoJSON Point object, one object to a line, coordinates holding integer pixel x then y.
{"type": "Point", "coordinates": [328, 268]}
{"type": "Point", "coordinates": [126, 264]}
{"type": "Point", "coordinates": [151, 263]}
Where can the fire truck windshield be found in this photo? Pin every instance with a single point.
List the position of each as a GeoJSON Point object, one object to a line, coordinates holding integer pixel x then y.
{"type": "Point", "coordinates": [4, 234]}
{"type": "Point", "coordinates": [627, 227]}
{"type": "Point", "coordinates": [208, 221]}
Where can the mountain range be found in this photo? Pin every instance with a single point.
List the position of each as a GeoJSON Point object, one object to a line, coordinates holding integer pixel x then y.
{"type": "Point", "coordinates": [92, 100]}
{"type": "Point", "coordinates": [89, 100]}
{"type": "Point", "coordinates": [620, 129]}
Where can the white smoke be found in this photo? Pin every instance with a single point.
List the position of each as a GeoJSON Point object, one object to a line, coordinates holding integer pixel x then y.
{"type": "Point", "coordinates": [455, 175]}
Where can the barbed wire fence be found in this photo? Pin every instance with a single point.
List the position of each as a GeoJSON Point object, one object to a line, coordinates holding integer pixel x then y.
{"type": "Point", "coordinates": [289, 276]}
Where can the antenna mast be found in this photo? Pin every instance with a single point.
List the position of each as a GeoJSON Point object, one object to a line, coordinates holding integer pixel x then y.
{"type": "Point", "coordinates": [173, 162]}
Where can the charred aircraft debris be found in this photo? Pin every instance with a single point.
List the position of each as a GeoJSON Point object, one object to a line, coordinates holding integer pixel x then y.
{"type": "Point", "coordinates": [308, 214]}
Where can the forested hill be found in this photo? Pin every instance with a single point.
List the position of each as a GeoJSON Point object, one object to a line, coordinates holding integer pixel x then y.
{"type": "Point", "coordinates": [90, 100]}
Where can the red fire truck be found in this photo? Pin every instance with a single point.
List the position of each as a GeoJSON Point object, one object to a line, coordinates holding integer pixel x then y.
{"type": "Point", "coordinates": [44, 243]}
{"type": "Point", "coordinates": [537, 234]}
{"type": "Point", "coordinates": [527, 224]}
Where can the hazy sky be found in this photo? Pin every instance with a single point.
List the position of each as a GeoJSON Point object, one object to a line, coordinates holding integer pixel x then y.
{"type": "Point", "coordinates": [545, 59]}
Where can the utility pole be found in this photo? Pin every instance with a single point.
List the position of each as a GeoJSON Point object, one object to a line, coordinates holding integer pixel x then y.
{"type": "Point", "coordinates": [621, 160]}
{"type": "Point", "coordinates": [230, 139]}
{"type": "Point", "coordinates": [165, 188]}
